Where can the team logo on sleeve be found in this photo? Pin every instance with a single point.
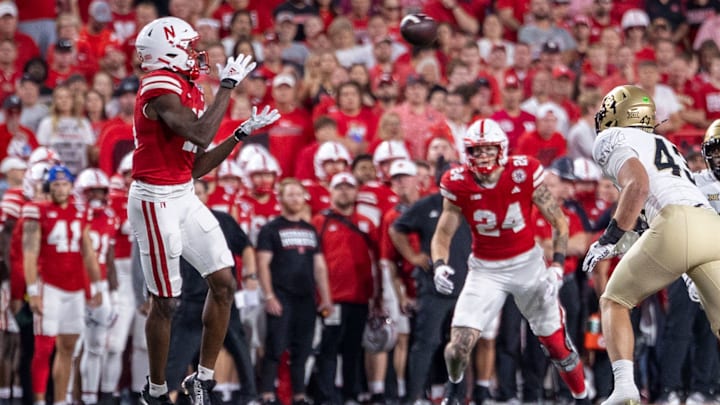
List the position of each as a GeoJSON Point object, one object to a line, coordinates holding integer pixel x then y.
{"type": "Point", "coordinates": [519, 175]}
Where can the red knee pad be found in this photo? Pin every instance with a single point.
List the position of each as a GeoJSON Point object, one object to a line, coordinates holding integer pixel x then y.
{"type": "Point", "coordinates": [41, 362]}
{"type": "Point", "coordinates": [565, 358]}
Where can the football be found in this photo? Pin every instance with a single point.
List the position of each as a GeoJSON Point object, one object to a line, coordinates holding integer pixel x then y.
{"type": "Point", "coordinates": [418, 29]}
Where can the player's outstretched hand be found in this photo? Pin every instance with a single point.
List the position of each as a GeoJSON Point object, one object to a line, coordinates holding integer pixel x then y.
{"type": "Point", "coordinates": [443, 284]}
{"type": "Point", "coordinates": [265, 117]}
{"type": "Point", "coordinates": [236, 69]}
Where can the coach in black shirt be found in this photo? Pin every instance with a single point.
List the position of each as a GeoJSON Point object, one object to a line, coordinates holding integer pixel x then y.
{"type": "Point", "coordinates": [434, 310]}
{"type": "Point", "coordinates": [291, 268]}
{"type": "Point", "coordinates": [187, 319]}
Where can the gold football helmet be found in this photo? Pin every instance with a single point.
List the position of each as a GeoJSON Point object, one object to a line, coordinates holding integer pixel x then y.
{"type": "Point", "coordinates": [711, 142]}
{"type": "Point", "coordinates": [626, 106]}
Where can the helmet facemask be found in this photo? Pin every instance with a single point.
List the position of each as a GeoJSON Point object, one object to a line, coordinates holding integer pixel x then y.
{"type": "Point", "coordinates": [484, 166]}
{"type": "Point", "coordinates": [711, 153]}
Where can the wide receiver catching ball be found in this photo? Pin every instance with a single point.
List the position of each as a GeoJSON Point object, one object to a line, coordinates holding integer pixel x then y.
{"type": "Point", "coordinates": [418, 29]}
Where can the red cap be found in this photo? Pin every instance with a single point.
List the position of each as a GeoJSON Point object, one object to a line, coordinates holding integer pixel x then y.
{"type": "Point", "coordinates": [563, 71]}
{"type": "Point", "coordinates": [511, 81]}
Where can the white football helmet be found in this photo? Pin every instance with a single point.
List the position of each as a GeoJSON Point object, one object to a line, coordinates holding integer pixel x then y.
{"type": "Point", "coordinates": [228, 168]}
{"type": "Point", "coordinates": [167, 43]}
{"type": "Point", "coordinates": [43, 154]}
{"type": "Point", "coordinates": [261, 163]}
{"type": "Point", "coordinates": [481, 133]}
{"type": "Point", "coordinates": [88, 179]}
{"type": "Point", "coordinates": [329, 151]}
{"type": "Point", "coordinates": [390, 150]}
{"type": "Point", "coordinates": [34, 177]}
{"type": "Point", "coordinates": [379, 335]}
{"type": "Point", "coordinates": [247, 152]}
{"type": "Point", "coordinates": [125, 164]}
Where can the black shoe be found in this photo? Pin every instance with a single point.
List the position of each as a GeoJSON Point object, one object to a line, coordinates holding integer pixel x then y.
{"type": "Point", "coordinates": [452, 394]}
{"type": "Point", "coordinates": [303, 401]}
{"type": "Point", "coordinates": [147, 399]}
{"type": "Point", "coordinates": [377, 399]}
{"type": "Point", "coordinates": [272, 401]}
{"type": "Point", "coordinates": [481, 394]}
{"type": "Point", "coordinates": [200, 392]}
{"type": "Point", "coordinates": [583, 401]}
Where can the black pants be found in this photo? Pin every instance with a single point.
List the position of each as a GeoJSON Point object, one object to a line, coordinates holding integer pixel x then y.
{"type": "Point", "coordinates": [344, 339]}
{"type": "Point", "coordinates": [432, 316]}
{"type": "Point", "coordinates": [294, 329]}
{"type": "Point", "coordinates": [507, 350]}
{"type": "Point", "coordinates": [185, 346]}
{"type": "Point", "coordinates": [687, 336]}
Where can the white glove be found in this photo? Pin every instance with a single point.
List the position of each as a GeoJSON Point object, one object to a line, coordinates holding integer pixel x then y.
{"type": "Point", "coordinates": [557, 275]}
{"type": "Point", "coordinates": [266, 117]}
{"type": "Point", "coordinates": [443, 284]}
{"type": "Point", "coordinates": [596, 253]}
{"type": "Point", "coordinates": [236, 69]}
{"type": "Point", "coordinates": [605, 247]}
{"type": "Point", "coordinates": [691, 289]}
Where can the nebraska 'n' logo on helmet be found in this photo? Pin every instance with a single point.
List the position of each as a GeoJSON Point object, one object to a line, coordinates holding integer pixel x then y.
{"type": "Point", "coordinates": [169, 32]}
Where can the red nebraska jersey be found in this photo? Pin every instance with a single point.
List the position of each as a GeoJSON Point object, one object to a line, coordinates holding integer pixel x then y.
{"type": "Point", "coordinates": [104, 226]}
{"type": "Point", "coordinates": [375, 199]}
{"type": "Point", "coordinates": [544, 230]}
{"type": "Point", "coordinates": [11, 207]}
{"type": "Point", "coordinates": [514, 127]}
{"type": "Point", "coordinates": [389, 252]}
{"type": "Point", "coordinates": [163, 157]}
{"type": "Point", "coordinates": [60, 261]}
{"type": "Point", "coordinates": [221, 199]}
{"type": "Point", "coordinates": [123, 236]}
{"type": "Point", "coordinates": [500, 217]}
{"type": "Point", "coordinates": [316, 195]}
{"type": "Point", "coordinates": [11, 204]}
{"type": "Point", "coordinates": [253, 214]}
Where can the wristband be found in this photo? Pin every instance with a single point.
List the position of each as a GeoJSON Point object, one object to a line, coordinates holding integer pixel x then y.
{"type": "Point", "coordinates": [251, 276]}
{"type": "Point", "coordinates": [98, 287]}
{"type": "Point", "coordinates": [558, 258]}
{"type": "Point", "coordinates": [612, 234]}
{"type": "Point", "coordinates": [33, 290]}
{"type": "Point", "coordinates": [239, 135]}
{"type": "Point", "coordinates": [228, 83]}
{"type": "Point", "coordinates": [438, 263]}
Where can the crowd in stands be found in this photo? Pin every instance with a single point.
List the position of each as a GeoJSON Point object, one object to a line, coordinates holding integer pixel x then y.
{"type": "Point", "coordinates": [355, 97]}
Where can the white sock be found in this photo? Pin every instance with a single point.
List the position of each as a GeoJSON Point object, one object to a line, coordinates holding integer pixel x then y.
{"type": "Point", "coordinates": [205, 374]}
{"type": "Point", "coordinates": [39, 402]}
{"type": "Point", "coordinates": [5, 392]}
{"type": "Point", "coordinates": [376, 387]}
{"type": "Point", "coordinates": [624, 373]}
{"type": "Point", "coordinates": [156, 390]}
{"type": "Point", "coordinates": [89, 398]}
{"type": "Point", "coordinates": [401, 387]}
{"type": "Point", "coordinates": [17, 391]}
{"type": "Point", "coordinates": [483, 383]}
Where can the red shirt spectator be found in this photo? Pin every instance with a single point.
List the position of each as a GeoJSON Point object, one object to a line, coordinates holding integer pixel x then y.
{"type": "Point", "coordinates": [545, 143]}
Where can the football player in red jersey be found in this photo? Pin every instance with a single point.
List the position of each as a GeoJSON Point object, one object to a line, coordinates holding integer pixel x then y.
{"type": "Point", "coordinates": [91, 191]}
{"type": "Point", "coordinates": [172, 132]}
{"type": "Point", "coordinates": [258, 205]}
{"type": "Point", "coordinates": [56, 245]}
{"type": "Point", "coordinates": [330, 159]}
{"type": "Point", "coordinates": [495, 194]}
{"type": "Point", "coordinates": [123, 299]}
{"type": "Point", "coordinates": [227, 185]}
{"type": "Point", "coordinates": [13, 168]}
{"type": "Point", "coordinates": [375, 197]}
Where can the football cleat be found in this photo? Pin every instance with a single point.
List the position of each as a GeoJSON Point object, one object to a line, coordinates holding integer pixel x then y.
{"type": "Point", "coordinates": [147, 399]}
{"type": "Point", "coordinates": [200, 392]}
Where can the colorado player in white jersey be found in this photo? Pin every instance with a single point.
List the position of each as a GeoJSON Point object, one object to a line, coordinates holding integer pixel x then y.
{"type": "Point", "coordinates": [651, 175]}
{"type": "Point", "coordinates": [709, 179]}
